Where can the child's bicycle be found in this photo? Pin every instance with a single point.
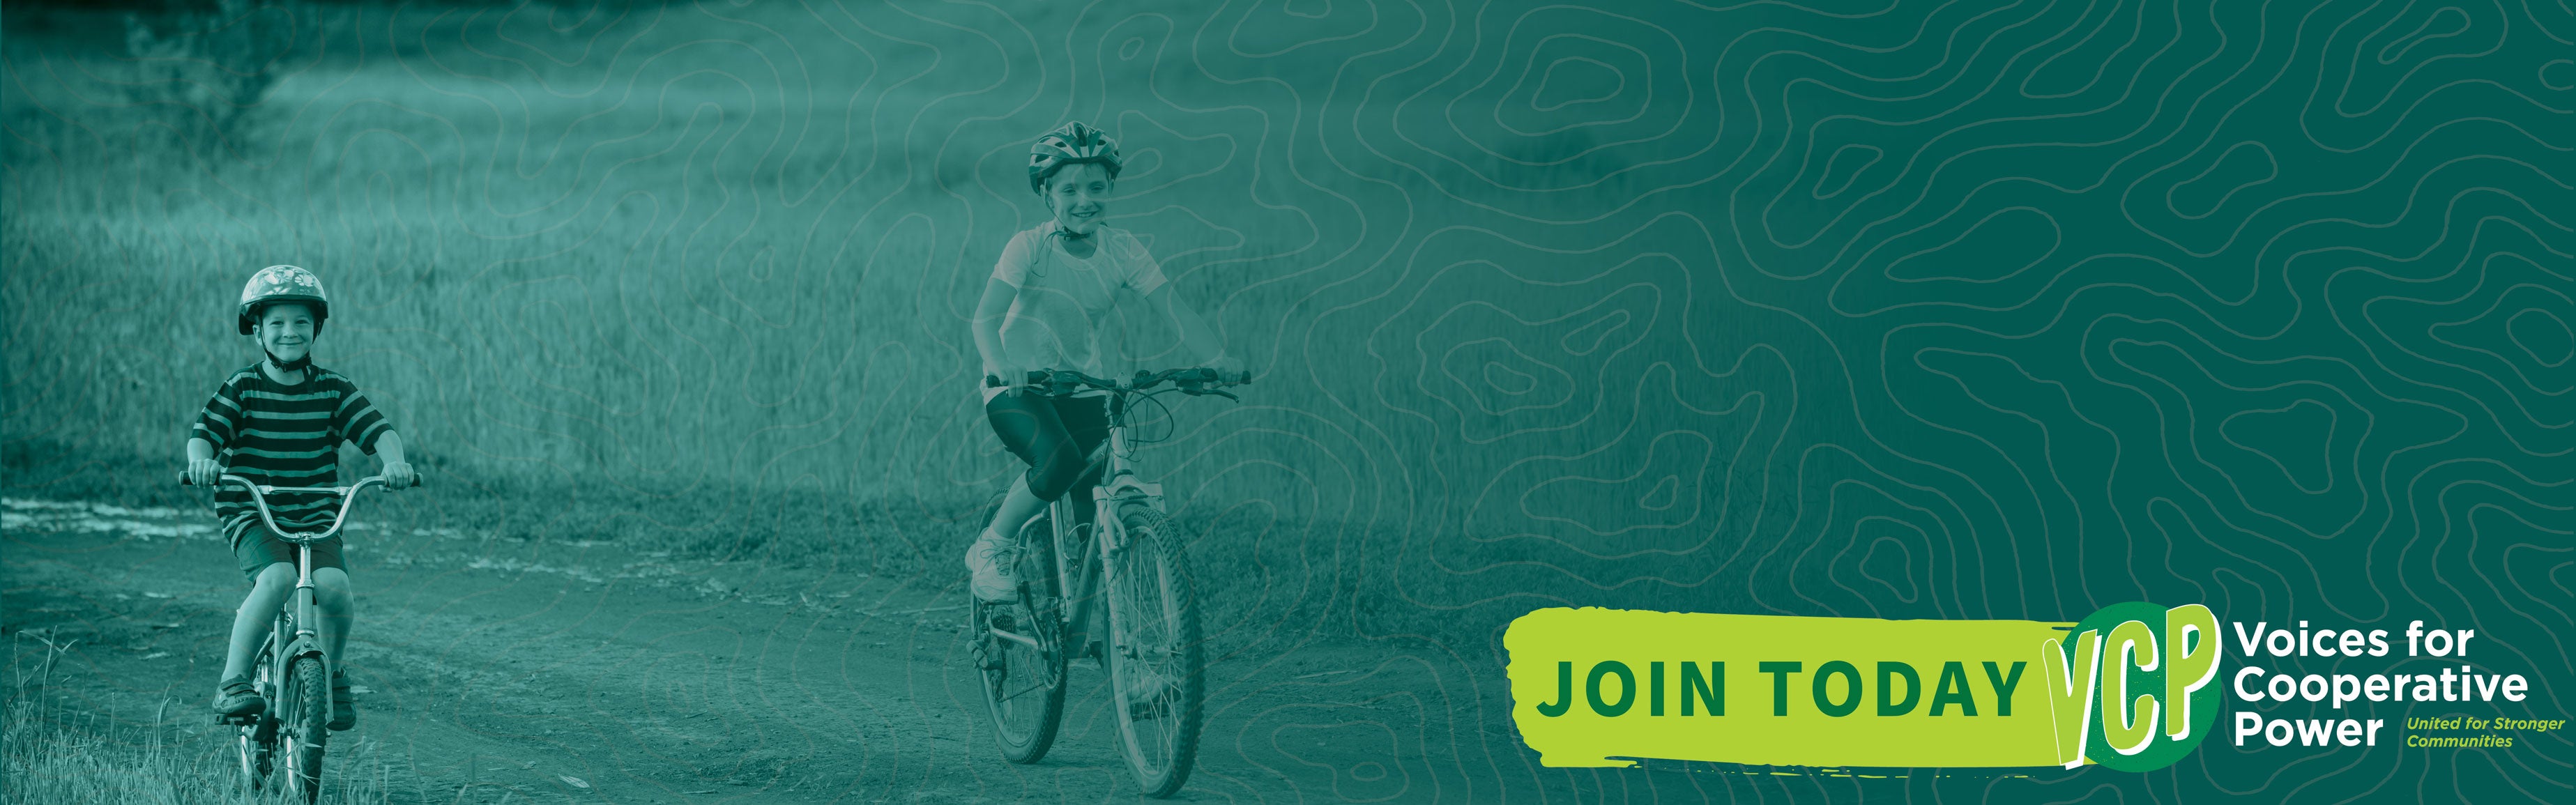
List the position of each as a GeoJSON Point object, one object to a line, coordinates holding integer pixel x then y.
{"type": "Point", "coordinates": [1152, 650]}
{"type": "Point", "coordinates": [291, 672]}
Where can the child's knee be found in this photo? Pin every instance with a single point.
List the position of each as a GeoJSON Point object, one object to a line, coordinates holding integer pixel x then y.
{"type": "Point", "coordinates": [273, 578]}
{"type": "Point", "coordinates": [268, 588]}
{"type": "Point", "coordinates": [332, 583]}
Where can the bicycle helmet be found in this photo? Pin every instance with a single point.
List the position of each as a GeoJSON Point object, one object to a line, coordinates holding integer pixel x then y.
{"type": "Point", "coordinates": [276, 284]}
{"type": "Point", "coordinates": [1071, 144]}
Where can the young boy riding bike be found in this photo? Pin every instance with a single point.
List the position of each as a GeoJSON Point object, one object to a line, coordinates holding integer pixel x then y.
{"type": "Point", "coordinates": [281, 421]}
{"type": "Point", "coordinates": [1043, 308]}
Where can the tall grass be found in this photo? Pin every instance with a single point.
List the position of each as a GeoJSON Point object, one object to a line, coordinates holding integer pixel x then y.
{"type": "Point", "coordinates": [652, 321]}
{"type": "Point", "coordinates": [64, 757]}
{"type": "Point", "coordinates": [696, 266]}
{"type": "Point", "coordinates": [55, 753]}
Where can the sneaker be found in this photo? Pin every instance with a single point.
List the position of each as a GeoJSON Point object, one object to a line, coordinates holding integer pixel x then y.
{"type": "Point", "coordinates": [1149, 696]}
{"type": "Point", "coordinates": [995, 563]}
{"type": "Point", "coordinates": [238, 699]}
{"type": "Point", "coordinates": [344, 708]}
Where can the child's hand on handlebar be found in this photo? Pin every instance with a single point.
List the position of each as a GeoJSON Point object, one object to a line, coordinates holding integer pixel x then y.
{"type": "Point", "coordinates": [1009, 380]}
{"type": "Point", "coordinates": [398, 474]}
{"type": "Point", "coordinates": [205, 472]}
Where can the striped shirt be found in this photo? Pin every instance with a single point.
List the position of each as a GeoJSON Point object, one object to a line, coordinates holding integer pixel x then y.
{"type": "Point", "coordinates": [280, 435]}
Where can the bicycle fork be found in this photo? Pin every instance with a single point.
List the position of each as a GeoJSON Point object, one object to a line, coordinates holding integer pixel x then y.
{"type": "Point", "coordinates": [1085, 583]}
{"type": "Point", "coordinates": [1087, 563]}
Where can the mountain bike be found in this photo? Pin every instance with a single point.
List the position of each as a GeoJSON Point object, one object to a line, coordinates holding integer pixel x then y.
{"type": "Point", "coordinates": [1143, 628]}
{"type": "Point", "coordinates": [291, 672]}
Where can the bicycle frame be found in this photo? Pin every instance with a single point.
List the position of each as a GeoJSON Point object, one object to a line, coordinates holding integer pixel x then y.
{"type": "Point", "coordinates": [306, 641]}
{"type": "Point", "coordinates": [1119, 484]}
{"type": "Point", "coordinates": [300, 613]}
{"type": "Point", "coordinates": [293, 635]}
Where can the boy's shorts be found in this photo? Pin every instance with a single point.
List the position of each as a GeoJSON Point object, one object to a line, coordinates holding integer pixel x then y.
{"type": "Point", "coordinates": [259, 547]}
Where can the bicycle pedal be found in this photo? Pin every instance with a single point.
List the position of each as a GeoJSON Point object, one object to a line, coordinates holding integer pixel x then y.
{"type": "Point", "coordinates": [251, 720]}
{"type": "Point", "coordinates": [1147, 709]}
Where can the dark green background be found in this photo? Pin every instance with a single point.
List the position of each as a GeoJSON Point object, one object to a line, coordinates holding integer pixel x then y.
{"type": "Point", "coordinates": [1920, 310]}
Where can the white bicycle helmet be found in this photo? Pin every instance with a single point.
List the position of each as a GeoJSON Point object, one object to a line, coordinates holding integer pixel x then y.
{"type": "Point", "coordinates": [1072, 144]}
{"type": "Point", "coordinates": [276, 284]}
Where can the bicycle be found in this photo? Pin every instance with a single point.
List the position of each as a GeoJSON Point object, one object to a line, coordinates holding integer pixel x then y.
{"type": "Point", "coordinates": [291, 672]}
{"type": "Point", "coordinates": [1020, 647]}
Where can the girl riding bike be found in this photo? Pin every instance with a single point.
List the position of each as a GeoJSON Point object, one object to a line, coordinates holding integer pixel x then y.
{"type": "Point", "coordinates": [1042, 310]}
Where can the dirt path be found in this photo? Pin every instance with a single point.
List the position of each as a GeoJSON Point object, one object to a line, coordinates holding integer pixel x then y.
{"type": "Point", "coordinates": [498, 670]}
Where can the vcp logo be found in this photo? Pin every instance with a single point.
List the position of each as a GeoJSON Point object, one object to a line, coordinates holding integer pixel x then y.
{"type": "Point", "coordinates": [2129, 687]}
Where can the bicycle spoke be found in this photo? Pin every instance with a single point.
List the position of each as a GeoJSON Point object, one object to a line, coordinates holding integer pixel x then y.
{"type": "Point", "coordinates": [1041, 685]}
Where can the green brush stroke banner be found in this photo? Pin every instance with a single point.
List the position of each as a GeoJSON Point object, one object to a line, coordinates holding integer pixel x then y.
{"type": "Point", "coordinates": [1593, 686]}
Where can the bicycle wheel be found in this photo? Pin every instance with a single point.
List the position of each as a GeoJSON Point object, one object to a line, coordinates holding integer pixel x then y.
{"type": "Point", "coordinates": [1154, 653]}
{"type": "Point", "coordinates": [1017, 652]}
{"type": "Point", "coordinates": [307, 694]}
{"type": "Point", "coordinates": [257, 740]}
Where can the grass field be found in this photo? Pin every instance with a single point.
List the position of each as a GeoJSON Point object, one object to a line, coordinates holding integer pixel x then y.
{"type": "Point", "coordinates": [663, 308]}
{"type": "Point", "coordinates": [634, 345]}
{"type": "Point", "coordinates": [696, 276]}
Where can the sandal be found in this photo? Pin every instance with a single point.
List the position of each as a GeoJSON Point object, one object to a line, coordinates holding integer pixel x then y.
{"type": "Point", "coordinates": [344, 708]}
{"type": "Point", "coordinates": [239, 699]}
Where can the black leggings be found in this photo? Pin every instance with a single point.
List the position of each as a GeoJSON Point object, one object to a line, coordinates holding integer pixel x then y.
{"type": "Point", "coordinates": [1055, 435]}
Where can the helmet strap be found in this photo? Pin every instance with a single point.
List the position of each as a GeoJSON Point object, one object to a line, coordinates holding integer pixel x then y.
{"type": "Point", "coordinates": [296, 365]}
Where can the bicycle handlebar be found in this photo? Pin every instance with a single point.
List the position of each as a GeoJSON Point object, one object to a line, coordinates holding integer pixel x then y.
{"type": "Point", "coordinates": [259, 496]}
{"type": "Point", "coordinates": [271, 490]}
{"type": "Point", "coordinates": [1196, 380]}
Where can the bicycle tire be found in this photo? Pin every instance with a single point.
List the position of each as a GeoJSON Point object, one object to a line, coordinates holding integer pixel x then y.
{"type": "Point", "coordinates": [1154, 634]}
{"type": "Point", "coordinates": [301, 733]}
{"type": "Point", "coordinates": [1024, 687]}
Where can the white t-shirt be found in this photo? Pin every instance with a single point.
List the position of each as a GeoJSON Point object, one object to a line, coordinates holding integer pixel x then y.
{"type": "Point", "coordinates": [1055, 320]}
